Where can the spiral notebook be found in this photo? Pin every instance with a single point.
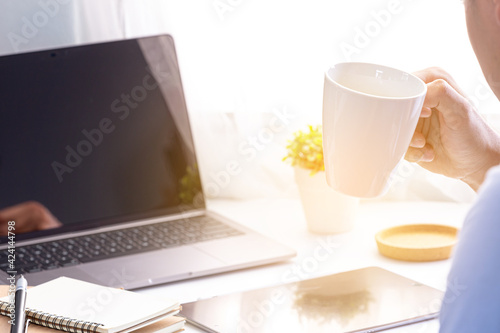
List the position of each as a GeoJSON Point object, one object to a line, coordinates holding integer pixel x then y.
{"type": "Point", "coordinates": [76, 306]}
{"type": "Point", "coordinates": [172, 324]}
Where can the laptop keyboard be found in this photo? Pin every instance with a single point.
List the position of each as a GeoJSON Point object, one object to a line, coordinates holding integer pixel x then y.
{"type": "Point", "coordinates": [83, 249]}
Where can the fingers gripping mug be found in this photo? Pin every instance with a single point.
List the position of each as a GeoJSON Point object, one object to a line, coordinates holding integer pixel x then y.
{"type": "Point", "coordinates": [370, 113]}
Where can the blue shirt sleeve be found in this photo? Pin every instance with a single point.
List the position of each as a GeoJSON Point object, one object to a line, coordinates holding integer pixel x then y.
{"type": "Point", "coordinates": [472, 299]}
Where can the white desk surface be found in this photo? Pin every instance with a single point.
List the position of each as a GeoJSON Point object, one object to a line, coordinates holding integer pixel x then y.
{"type": "Point", "coordinates": [282, 220]}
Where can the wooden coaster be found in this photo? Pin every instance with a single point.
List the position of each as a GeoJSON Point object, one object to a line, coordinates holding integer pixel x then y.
{"type": "Point", "coordinates": [417, 242]}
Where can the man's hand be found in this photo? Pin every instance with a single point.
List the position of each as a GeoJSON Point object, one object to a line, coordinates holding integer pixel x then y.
{"type": "Point", "coordinates": [29, 216]}
{"type": "Point", "coordinates": [451, 138]}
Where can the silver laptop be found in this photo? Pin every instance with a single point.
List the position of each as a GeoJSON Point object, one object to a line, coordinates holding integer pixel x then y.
{"type": "Point", "coordinates": [98, 173]}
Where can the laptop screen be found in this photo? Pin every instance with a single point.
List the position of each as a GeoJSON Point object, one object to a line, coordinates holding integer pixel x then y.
{"type": "Point", "coordinates": [94, 135]}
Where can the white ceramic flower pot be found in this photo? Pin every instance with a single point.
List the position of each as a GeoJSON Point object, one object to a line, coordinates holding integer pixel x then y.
{"type": "Point", "coordinates": [326, 211]}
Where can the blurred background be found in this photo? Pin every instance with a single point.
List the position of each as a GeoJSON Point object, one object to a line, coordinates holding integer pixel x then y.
{"type": "Point", "coordinates": [253, 70]}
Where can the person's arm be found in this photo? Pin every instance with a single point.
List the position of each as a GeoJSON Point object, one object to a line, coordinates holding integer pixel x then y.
{"type": "Point", "coordinates": [451, 137]}
{"type": "Point", "coordinates": [472, 298]}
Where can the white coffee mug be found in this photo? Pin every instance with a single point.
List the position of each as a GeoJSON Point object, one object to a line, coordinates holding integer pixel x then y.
{"type": "Point", "coordinates": [370, 113]}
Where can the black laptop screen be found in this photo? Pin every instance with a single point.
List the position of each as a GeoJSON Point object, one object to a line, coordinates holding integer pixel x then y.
{"type": "Point", "coordinates": [94, 134]}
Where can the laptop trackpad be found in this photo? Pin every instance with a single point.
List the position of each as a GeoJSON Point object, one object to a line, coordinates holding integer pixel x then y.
{"type": "Point", "coordinates": [152, 267]}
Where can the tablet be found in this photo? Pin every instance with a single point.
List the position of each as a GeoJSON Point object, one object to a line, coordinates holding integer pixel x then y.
{"type": "Point", "coordinates": [365, 300]}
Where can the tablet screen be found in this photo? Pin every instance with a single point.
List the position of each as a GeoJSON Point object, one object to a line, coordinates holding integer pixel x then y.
{"type": "Point", "coordinates": [363, 300]}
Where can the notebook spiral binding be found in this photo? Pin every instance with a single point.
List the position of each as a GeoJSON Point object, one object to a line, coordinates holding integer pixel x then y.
{"type": "Point", "coordinates": [56, 322]}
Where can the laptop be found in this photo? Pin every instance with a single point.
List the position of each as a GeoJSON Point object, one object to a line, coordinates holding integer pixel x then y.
{"type": "Point", "coordinates": [98, 172]}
